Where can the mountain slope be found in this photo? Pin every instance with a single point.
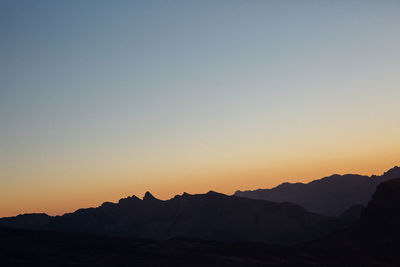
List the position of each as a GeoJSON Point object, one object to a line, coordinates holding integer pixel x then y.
{"type": "Point", "coordinates": [328, 196]}
{"type": "Point", "coordinates": [210, 216]}
{"type": "Point", "coordinates": [381, 218]}
{"type": "Point", "coordinates": [374, 238]}
{"type": "Point", "coordinates": [373, 241]}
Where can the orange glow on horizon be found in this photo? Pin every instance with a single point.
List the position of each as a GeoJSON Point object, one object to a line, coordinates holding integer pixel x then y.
{"type": "Point", "coordinates": [69, 199]}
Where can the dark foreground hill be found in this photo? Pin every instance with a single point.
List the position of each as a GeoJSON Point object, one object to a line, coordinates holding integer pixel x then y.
{"type": "Point", "coordinates": [210, 216]}
{"type": "Point", "coordinates": [375, 238]}
{"type": "Point", "coordinates": [373, 241]}
{"type": "Point", "coordinates": [328, 196]}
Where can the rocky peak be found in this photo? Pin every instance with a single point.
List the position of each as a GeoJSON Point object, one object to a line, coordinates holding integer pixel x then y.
{"type": "Point", "coordinates": [148, 197]}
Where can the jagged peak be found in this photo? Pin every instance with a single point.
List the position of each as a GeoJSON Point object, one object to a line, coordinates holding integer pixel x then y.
{"type": "Point", "coordinates": [393, 172]}
{"type": "Point", "coordinates": [149, 196]}
{"type": "Point", "coordinates": [184, 195]}
{"type": "Point", "coordinates": [128, 199]}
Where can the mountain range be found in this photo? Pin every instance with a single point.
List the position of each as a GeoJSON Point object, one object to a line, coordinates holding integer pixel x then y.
{"type": "Point", "coordinates": [211, 216]}
{"type": "Point", "coordinates": [317, 209]}
{"type": "Point", "coordinates": [327, 196]}
{"type": "Point", "coordinates": [371, 241]}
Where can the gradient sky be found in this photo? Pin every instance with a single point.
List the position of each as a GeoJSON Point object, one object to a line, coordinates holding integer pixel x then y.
{"type": "Point", "coordinates": [104, 99]}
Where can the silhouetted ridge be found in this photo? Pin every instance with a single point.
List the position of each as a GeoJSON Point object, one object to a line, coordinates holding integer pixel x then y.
{"type": "Point", "coordinates": [392, 173]}
{"type": "Point", "coordinates": [331, 195]}
{"type": "Point", "coordinates": [382, 216]}
{"type": "Point", "coordinates": [377, 233]}
{"type": "Point", "coordinates": [213, 193]}
{"type": "Point", "coordinates": [149, 197]}
{"type": "Point", "coordinates": [215, 216]}
{"type": "Point", "coordinates": [371, 242]}
{"type": "Point", "coordinates": [211, 216]}
{"type": "Point", "coordinates": [29, 220]}
{"type": "Point", "coordinates": [129, 200]}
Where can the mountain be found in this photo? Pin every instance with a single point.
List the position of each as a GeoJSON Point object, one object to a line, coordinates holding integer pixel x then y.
{"type": "Point", "coordinates": [381, 219]}
{"type": "Point", "coordinates": [33, 221]}
{"type": "Point", "coordinates": [211, 216]}
{"type": "Point", "coordinates": [327, 196]}
{"type": "Point", "coordinates": [372, 241]}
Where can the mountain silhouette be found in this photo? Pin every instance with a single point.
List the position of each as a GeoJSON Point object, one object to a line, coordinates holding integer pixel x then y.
{"type": "Point", "coordinates": [211, 216]}
{"type": "Point", "coordinates": [372, 241]}
{"type": "Point", "coordinates": [381, 218]}
{"type": "Point", "coordinates": [327, 196]}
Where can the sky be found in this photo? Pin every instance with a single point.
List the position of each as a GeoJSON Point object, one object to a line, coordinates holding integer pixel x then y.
{"type": "Point", "coordinates": [101, 100]}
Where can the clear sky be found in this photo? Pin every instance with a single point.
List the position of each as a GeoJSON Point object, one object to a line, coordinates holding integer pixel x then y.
{"type": "Point", "coordinates": [104, 99]}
